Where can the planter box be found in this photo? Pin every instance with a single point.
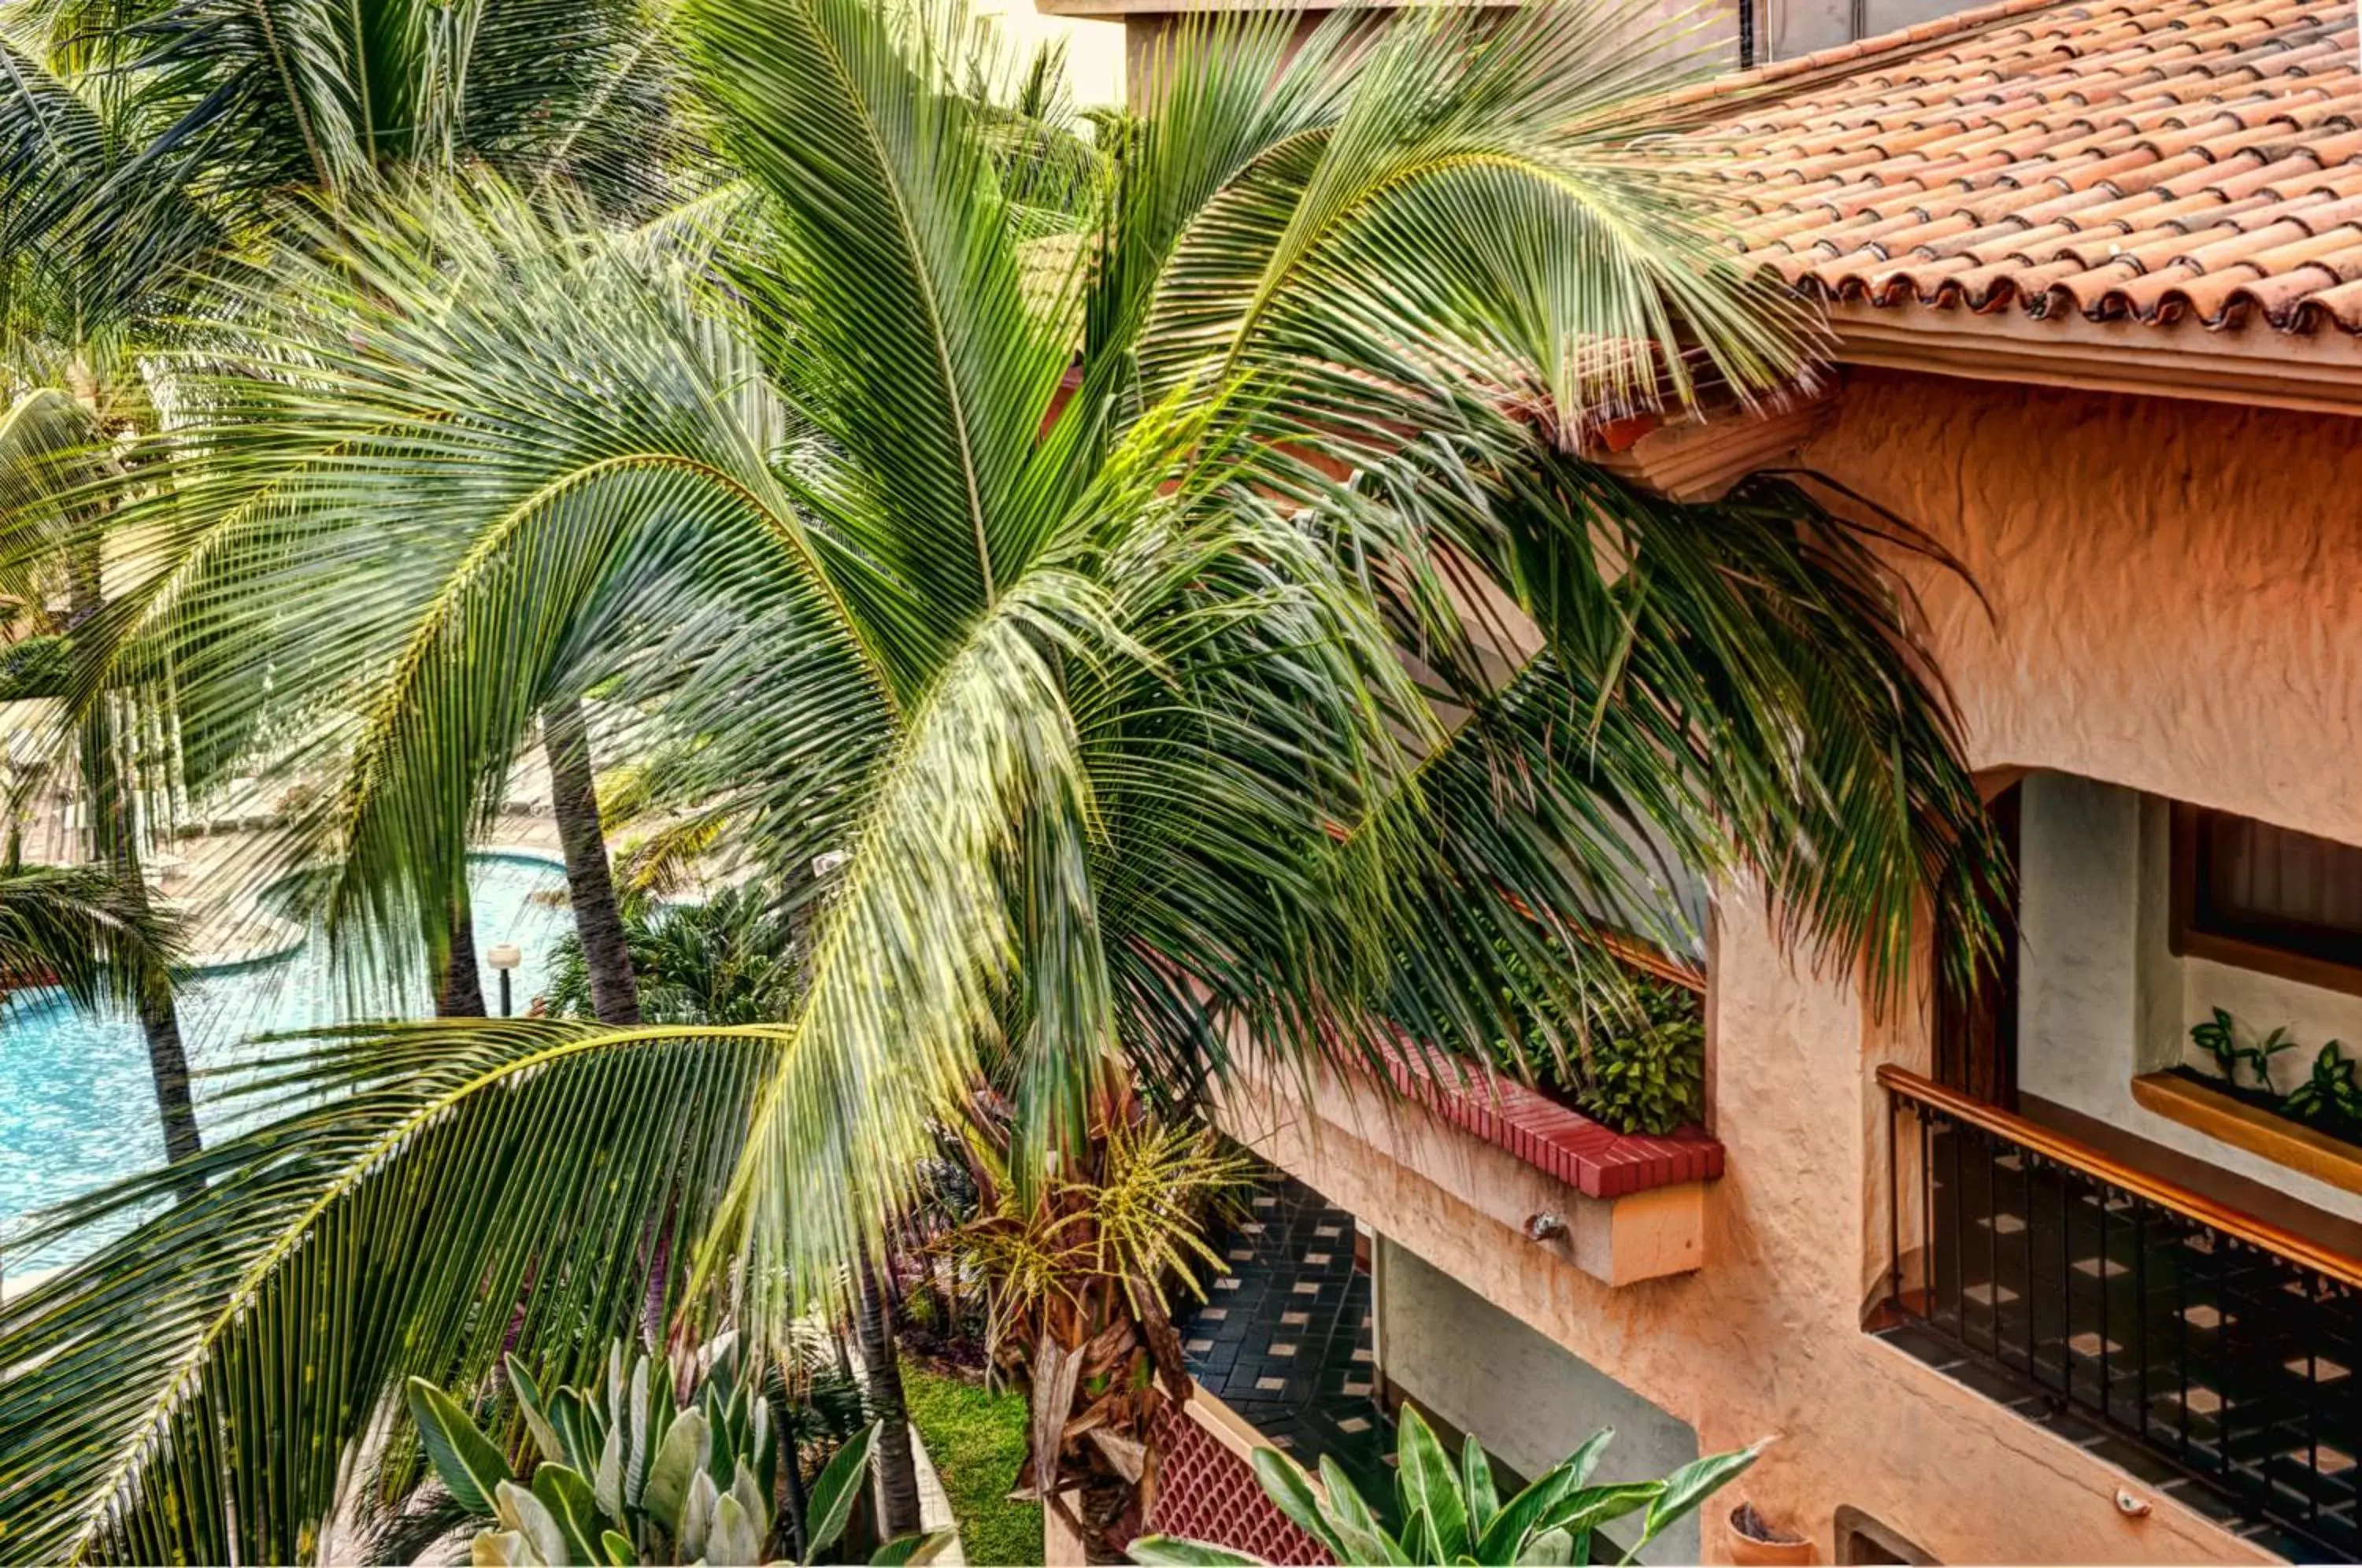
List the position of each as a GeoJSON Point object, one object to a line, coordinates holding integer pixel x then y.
{"type": "Point", "coordinates": [1620, 1209]}
{"type": "Point", "coordinates": [1593, 1158]}
{"type": "Point", "coordinates": [2250, 1127]}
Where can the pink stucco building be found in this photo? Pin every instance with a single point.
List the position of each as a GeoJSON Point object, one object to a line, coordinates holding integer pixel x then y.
{"type": "Point", "coordinates": [2025, 1282]}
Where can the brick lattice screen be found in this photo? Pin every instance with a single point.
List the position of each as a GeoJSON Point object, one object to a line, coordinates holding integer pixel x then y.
{"type": "Point", "coordinates": [1207, 1493]}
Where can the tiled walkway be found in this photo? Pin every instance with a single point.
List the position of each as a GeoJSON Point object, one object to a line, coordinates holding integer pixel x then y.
{"type": "Point", "coordinates": [1284, 1341]}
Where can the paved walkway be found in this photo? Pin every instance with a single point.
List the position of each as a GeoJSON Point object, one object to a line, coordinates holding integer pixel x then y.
{"type": "Point", "coordinates": [1284, 1341]}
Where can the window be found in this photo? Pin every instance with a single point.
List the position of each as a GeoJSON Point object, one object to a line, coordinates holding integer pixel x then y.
{"type": "Point", "coordinates": [2267, 897]}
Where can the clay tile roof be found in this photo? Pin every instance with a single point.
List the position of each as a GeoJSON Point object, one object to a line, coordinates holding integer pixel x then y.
{"type": "Point", "coordinates": [2160, 160]}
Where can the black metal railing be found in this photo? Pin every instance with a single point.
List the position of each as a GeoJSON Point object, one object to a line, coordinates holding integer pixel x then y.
{"type": "Point", "coordinates": [2226, 1346]}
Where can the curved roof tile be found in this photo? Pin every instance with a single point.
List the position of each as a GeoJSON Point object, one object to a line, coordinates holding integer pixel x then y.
{"type": "Point", "coordinates": [2153, 160]}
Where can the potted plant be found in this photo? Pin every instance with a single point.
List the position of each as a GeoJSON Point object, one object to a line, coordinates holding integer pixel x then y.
{"type": "Point", "coordinates": [1756, 1541]}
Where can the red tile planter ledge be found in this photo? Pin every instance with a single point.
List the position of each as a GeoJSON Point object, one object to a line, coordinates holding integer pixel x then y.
{"type": "Point", "coordinates": [1565, 1144]}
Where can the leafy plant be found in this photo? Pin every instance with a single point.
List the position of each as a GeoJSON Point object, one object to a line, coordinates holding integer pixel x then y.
{"type": "Point", "coordinates": [2219, 1038]}
{"type": "Point", "coordinates": [1638, 1065]}
{"type": "Point", "coordinates": [1453, 1514]}
{"type": "Point", "coordinates": [33, 668]}
{"type": "Point", "coordinates": [1648, 1078]}
{"type": "Point", "coordinates": [2329, 1095]}
{"type": "Point", "coordinates": [626, 1476]}
{"type": "Point", "coordinates": [729, 959]}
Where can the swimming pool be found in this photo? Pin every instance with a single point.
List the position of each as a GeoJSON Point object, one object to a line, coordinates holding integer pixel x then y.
{"type": "Point", "coordinates": [78, 1108]}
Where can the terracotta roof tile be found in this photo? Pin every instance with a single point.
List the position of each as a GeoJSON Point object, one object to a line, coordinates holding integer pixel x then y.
{"type": "Point", "coordinates": [2156, 160]}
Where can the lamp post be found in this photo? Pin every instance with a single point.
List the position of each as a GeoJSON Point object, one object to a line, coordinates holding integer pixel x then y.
{"type": "Point", "coordinates": [504, 956]}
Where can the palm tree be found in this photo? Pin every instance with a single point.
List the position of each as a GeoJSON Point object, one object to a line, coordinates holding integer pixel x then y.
{"type": "Point", "coordinates": [82, 929]}
{"type": "Point", "coordinates": [590, 880]}
{"type": "Point", "coordinates": [1168, 727]}
{"type": "Point", "coordinates": [93, 933]}
{"type": "Point", "coordinates": [95, 936]}
{"type": "Point", "coordinates": [154, 146]}
{"type": "Point", "coordinates": [52, 453]}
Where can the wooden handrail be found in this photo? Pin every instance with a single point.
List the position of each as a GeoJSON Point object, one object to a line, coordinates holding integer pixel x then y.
{"type": "Point", "coordinates": [2066, 1150]}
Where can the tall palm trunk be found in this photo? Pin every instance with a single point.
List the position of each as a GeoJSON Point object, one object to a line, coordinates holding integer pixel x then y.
{"type": "Point", "coordinates": [590, 884]}
{"type": "Point", "coordinates": [460, 993]}
{"type": "Point", "coordinates": [897, 1469]}
{"type": "Point", "coordinates": [115, 843]}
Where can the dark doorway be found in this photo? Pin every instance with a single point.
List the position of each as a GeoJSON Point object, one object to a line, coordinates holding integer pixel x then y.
{"type": "Point", "coordinates": [1976, 1035]}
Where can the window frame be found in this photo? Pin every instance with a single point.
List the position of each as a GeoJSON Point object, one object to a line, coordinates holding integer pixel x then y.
{"type": "Point", "coordinates": [2188, 937]}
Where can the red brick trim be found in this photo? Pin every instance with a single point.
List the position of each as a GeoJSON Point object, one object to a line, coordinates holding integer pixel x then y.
{"type": "Point", "coordinates": [1593, 1159]}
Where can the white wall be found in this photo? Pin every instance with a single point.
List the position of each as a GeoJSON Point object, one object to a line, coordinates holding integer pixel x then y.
{"type": "Point", "coordinates": [1094, 49]}
{"type": "Point", "coordinates": [2102, 998]}
{"type": "Point", "coordinates": [1791, 28]}
{"type": "Point", "coordinates": [1529, 1402]}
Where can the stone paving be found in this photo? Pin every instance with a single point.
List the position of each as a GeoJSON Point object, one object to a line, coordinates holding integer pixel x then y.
{"type": "Point", "coordinates": [1285, 1340]}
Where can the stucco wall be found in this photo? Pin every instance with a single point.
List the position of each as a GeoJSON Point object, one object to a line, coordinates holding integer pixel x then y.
{"type": "Point", "coordinates": [2175, 587]}
{"type": "Point", "coordinates": [2102, 997]}
{"type": "Point", "coordinates": [1522, 1395]}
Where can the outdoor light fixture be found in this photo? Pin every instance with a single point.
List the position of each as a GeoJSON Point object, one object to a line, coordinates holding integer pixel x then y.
{"type": "Point", "coordinates": [826, 863]}
{"type": "Point", "coordinates": [504, 956]}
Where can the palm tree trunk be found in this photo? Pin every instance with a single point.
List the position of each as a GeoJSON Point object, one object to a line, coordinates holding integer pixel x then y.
{"type": "Point", "coordinates": [590, 885]}
{"type": "Point", "coordinates": [898, 1470]}
{"type": "Point", "coordinates": [786, 1420]}
{"type": "Point", "coordinates": [461, 992]}
{"type": "Point", "coordinates": [168, 1065]}
{"type": "Point", "coordinates": [115, 843]}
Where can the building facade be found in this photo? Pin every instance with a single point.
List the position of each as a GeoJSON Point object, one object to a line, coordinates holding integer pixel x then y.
{"type": "Point", "coordinates": [2033, 1281]}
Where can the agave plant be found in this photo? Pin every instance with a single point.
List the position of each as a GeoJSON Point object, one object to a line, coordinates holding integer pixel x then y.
{"type": "Point", "coordinates": [624, 1476]}
{"type": "Point", "coordinates": [1095, 677]}
{"type": "Point", "coordinates": [1453, 1513]}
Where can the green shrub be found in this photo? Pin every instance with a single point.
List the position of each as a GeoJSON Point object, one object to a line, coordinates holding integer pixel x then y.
{"type": "Point", "coordinates": [1650, 1078]}
{"type": "Point", "coordinates": [727, 960]}
{"type": "Point", "coordinates": [1636, 1074]}
{"type": "Point", "coordinates": [976, 1439]}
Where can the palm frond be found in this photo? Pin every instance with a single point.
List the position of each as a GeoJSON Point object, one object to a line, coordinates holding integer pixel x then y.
{"type": "Point", "coordinates": [189, 1391]}
{"type": "Point", "coordinates": [84, 930]}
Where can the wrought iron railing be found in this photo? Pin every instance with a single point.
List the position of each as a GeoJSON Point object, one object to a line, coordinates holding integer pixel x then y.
{"type": "Point", "coordinates": [2227, 1347]}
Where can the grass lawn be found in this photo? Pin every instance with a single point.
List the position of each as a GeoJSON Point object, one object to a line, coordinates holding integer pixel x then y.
{"type": "Point", "coordinates": [977, 1441]}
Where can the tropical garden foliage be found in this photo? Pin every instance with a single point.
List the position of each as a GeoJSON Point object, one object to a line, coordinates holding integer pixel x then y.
{"type": "Point", "coordinates": [729, 957]}
{"type": "Point", "coordinates": [619, 1474]}
{"type": "Point", "coordinates": [1080, 1266]}
{"type": "Point", "coordinates": [1144, 597]}
{"type": "Point", "coordinates": [81, 929]}
{"type": "Point", "coordinates": [1453, 1513]}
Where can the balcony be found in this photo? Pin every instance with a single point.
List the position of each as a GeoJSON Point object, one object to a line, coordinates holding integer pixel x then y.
{"type": "Point", "coordinates": [2198, 1345]}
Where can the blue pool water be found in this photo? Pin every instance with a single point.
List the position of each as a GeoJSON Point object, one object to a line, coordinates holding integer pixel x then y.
{"type": "Point", "coordinates": [77, 1108]}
